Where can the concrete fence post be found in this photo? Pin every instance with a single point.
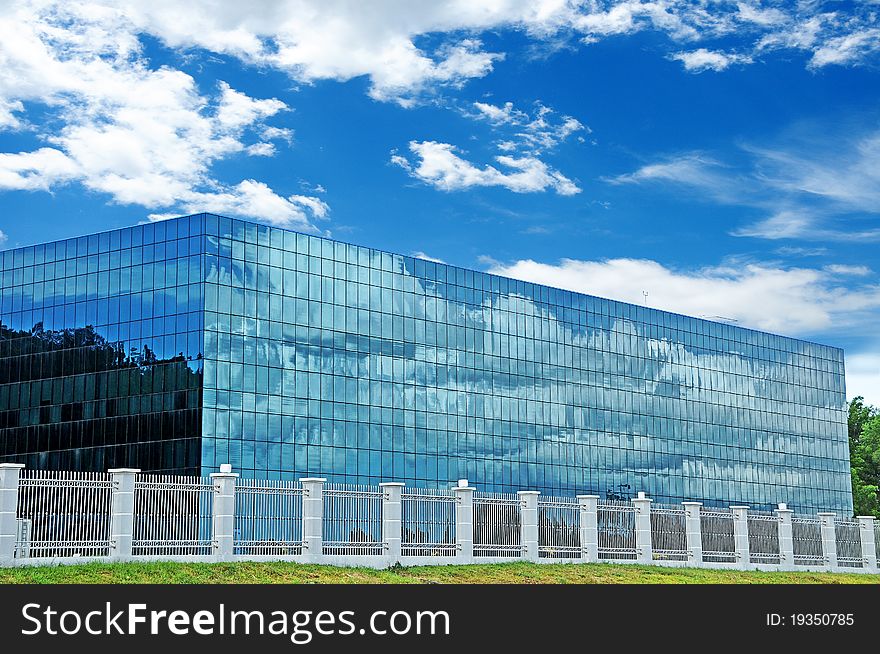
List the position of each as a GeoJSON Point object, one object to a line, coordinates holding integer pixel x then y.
{"type": "Point", "coordinates": [693, 530]}
{"type": "Point", "coordinates": [9, 476]}
{"type": "Point", "coordinates": [786, 540]}
{"type": "Point", "coordinates": [741, 534]}
{"type": "Point", "coordinates": [313, 518]}
{"type": "Point", "coordinates": [589, 517]}
{"type": "Point", "coordinates": [644, 551]}
{"type": "Point", "coordinates": [122, 513]}
{"type": "Point", "coordinates": [528, 524]}
{"type": "Point", "coordinates": [829, 539]}
{"type": "Point", "coordinates": [392, 520]}
{"type": "Point", "coordinates": [464, 522]}
{"type": "Point", "coordinates": [869, 546]}
{"type": "Point", "coordinates": [223, 514]}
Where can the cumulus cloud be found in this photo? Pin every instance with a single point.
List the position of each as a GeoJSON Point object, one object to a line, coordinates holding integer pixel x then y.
{"type": "Point", "coordinates": [699, 60]}
{"type": "Point", "coordinates": [142, 135]}
{"type": "Point", "coordinates": [441, 166]}
{"type": "Point", "coordinates": [117, 119]}
{"type": "Point", "coordinates": [794, 301]}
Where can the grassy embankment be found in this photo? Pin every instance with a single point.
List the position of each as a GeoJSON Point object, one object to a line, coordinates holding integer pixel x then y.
{"type": "Point", "coordinates": [502, 573]}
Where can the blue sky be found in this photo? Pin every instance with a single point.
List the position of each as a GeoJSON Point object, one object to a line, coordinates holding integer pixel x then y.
{"type": "Point", "coordinates": [723, 157]}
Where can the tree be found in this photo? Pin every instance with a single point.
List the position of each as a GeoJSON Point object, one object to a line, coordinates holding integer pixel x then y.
{"type": "Point", "coordinates": [864, 457]}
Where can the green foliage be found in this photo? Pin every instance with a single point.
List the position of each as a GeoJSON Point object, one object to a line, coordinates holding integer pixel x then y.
{"type": "Point", "coordinates": [864, 457]}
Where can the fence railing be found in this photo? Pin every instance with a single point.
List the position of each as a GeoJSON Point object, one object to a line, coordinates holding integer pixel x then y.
{"type": "Point", "coordinates": [497, 525]}
{"type": "Point", "coordinates": [268, 517]}
{"type": "Point", "coordinates": [352, 520]}
{"type": "Point", "coordinates": [559, 527]}
{"type": "Point", "coordinates": [763, 529]}
{"type": "Point", "coordinates": [807, 541]}
{"type": "Point", "coordinates": [172, 515]}
{"type": "Point", "coordinates": [428, 518]}
{"type": "Point", "coordinates": [66, 517]}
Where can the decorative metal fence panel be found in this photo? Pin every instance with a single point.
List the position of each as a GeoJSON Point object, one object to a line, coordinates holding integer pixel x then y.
{"type": "Point", "coordinates": [172, 515]}
{"type": "Point", "coordinates": [268, 517]}
{"type": "Point", "coordinates": [63, 514]}
{"type": "Point", "coordinates": [428, 527]}
{"type": "Point", "coordinates": [617, 530]}
{"type": "Point", "coordinates": [559, 528]}
{"type": "Point", "coordinates": [849, 543]}
{"type": "Point", "coordinates": [717, 536]}
{"type": "Point", "coordinates": [807, 536]}
{"type": "Point", "coordinates": [668, 533]}
{"type": "Point", "coordinates": [497, 525]}
{"type": "Point", "coordinates": [763, 537]}
{"type": "Point", "coordinates": [352, 519]}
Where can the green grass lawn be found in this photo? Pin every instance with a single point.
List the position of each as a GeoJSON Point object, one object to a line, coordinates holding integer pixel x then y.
{"type": "Point", "coordinates": [501, 573]}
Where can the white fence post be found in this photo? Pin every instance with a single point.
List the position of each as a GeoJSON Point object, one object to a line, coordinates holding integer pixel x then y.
{"type": "Point", "coordinates": [223, 514]}
{"type": "Point", "coordinates": [122, 513]}
{"type": "Point", "coordinates": [589, 512]}
{"type": "Point", "coordinates": [313, 518]}
{"type": "Point", "coordinates": [786, 540]}
{"type": "Point", "coordinates": [741, 534]}
{"type": "Point", "coordinates": [869, 547]}
{"type": "Point", "coordinates": [392, 517]}
{"type": "Point", "coordinates": [829, 539]}
{"type": "Point", "coordinates": [693, 530]}
{"type": "Point", "coordinates": [9, 476]}
{"type": "Point", "coordinates": [528, 524]}
{"type": "Point", "coordinates": [644, 551]}
{"type": "Point", "coordinates": [464, 522]}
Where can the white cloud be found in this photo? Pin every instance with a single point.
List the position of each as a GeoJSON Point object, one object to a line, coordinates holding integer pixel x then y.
{"type": "Point", "coordinates": [823, 187]}
{"type": "Point", "coordinates": [3, 237]}
{"type": "Point", "coordinates": [143, 135]}
{"type": "Point", "coordinates": [440, 165]}
{"type": "Point", "coordinates": [844, 270]}
{"type": "Point", "coordinates": [37, 170]}
{"type": "Point", "coordinates": [421, 255]}
{"type": "Point", "coordinates": [500, 115]}
{"type": "Point", "coordinates": [847, 49]}
{"type": "Point", "coordinates": [794, 301]}
{"type": "Point", "coordinates": [863, 376]}
{"type": "Point", "coordinates": [261, 149]}
{"type": "Point", "coordinates": [694, 169]}
{"type": "Point", "coordinates": [702, 59]}
{"type": "Point", "coordinates": [253, 198]}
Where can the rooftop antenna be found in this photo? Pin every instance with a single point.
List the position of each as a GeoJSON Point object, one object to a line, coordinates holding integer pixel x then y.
{"type": "Point", "coordinates": [645, 293]}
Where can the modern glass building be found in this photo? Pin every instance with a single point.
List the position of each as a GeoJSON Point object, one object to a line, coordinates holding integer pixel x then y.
{"type": "Point", "coordinates": [180, 345]}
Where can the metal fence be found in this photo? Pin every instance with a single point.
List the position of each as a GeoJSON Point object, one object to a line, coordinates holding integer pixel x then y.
{"type": "Point", "coordinates": [352, 520]}
{"type": "Point", "coordinates": [668, 533]}
{"type": "Point", "coordinates": [616, 521]}
{"type": "Point", "coordinates": [559, 528]}
{"type": "Point", "coordinates": [172, 515]}
{"type": "Point", "coordinates": [63, 514]}
{"type": "Point", "coordinates": [428, 518]}
{"type": "Point", "coordinates": [806, 535]}
{"type": "Point", "coordinates": [717, 532]}
{"type": "Point", "coordinates": [849, 543]}
{"type": "Point", "coordinates": [497, 525]}
{"type": "Point", "coordinates": [763, 537]}
{"type": "Point", "coordinates": [68, 517]}
{"type": "Point", "coordinates": [268, 517]}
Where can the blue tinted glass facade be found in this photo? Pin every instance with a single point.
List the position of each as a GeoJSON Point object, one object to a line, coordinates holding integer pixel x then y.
{"type": "Point", "coordinates": [100, 350]}
{"type": "Point", "coordinates": [313, 357]}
